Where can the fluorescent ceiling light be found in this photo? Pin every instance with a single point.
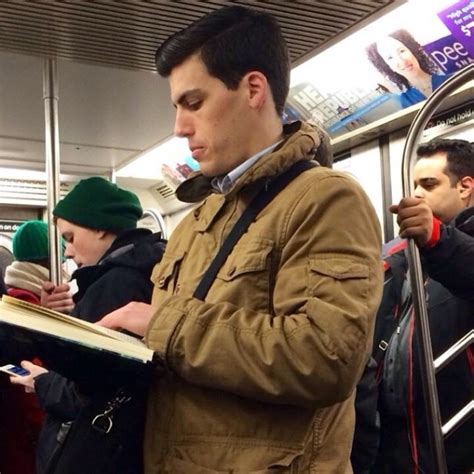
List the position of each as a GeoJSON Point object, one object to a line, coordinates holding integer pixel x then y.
{"type": "Point", "coordinates": [16, 173]}
{"type": "Point", "coordinates": [148, 164]}
{"type": "Point", "coordinates": [32, 175]}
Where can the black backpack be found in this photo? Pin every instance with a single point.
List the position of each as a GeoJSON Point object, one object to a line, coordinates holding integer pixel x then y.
{"type": "Point", "coordinates": [393, 305]}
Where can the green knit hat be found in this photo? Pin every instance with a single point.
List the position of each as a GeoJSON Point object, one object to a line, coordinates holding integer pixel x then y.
{"type": "Point", "coordinates": [96, 203]}
{"type": "Point", "coordinates": [30, 242]}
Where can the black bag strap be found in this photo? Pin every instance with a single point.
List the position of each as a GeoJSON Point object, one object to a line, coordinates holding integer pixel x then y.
{"type": "Point", "coordinates": [401, 302]}
{"type": "Point", "coordinates": [264, 196]}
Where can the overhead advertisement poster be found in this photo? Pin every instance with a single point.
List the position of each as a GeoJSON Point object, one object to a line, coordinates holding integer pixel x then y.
{"type": "Point", "coordinates": [390, 65]}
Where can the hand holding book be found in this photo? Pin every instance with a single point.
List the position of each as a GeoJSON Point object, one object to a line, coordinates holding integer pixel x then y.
{"type": "Point", "coordinates": [133, 317]}
{"type": "Point", "coordinates": [57, 298]}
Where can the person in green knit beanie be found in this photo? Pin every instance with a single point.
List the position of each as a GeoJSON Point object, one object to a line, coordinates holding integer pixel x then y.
{"type": "Point", "coordinates": [95, 203]}
{"type": "Point", "coordinates": [90, 217]}
{"type": "Point", "coordinates": [30, 242]}
{"type": "Point", "coordinates": [30, 268]}
{"type": "Point", "coordinates": [21, 414]}
{"type": "Point", "coordinates": [98, 221]}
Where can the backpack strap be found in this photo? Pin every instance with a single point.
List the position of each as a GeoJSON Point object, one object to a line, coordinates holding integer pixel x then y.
{"type": "Point", "coordinates": [393, 305]}
{"type": "Point", "coordinates": [264, 196]}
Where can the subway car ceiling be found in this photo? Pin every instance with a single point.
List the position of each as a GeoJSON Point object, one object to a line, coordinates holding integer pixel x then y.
{"type": "Point", "coordinates": [112, 105]}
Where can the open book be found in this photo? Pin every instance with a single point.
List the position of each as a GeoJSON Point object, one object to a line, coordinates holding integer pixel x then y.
{"type": "Point", "coordinates": [73, 347]}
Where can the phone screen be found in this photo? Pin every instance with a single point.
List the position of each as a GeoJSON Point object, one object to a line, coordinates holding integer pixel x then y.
{"type": "Point", "coordinates": [14, 370]}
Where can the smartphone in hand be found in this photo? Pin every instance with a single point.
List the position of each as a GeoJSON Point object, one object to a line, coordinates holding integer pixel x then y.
{"type": "Point", "coordinates": [11, 369]}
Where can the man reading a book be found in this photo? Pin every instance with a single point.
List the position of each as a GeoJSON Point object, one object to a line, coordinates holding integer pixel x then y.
{"type": "Point", "coordinates": [259, 375]}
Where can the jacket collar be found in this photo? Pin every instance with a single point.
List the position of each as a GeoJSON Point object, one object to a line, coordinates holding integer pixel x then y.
{"type": "Point", "coordinates": [301, 142]}
{"type": "Point", "coordinates": [124, 241]}
{"type": "Point", "coordinates": [465, 221]}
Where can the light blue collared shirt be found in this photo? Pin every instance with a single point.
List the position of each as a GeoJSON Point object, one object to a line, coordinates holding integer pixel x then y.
{"type": "Point", "coordinates": [222, 184]}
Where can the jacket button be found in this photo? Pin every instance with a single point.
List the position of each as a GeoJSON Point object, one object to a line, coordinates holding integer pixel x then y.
{"type": "Point", "coordinates": [196, 213]}
{"type": "Point", "coordinates": [161, 282]}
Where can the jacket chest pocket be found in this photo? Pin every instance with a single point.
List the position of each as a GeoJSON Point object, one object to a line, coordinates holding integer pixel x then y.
{"type": "Point", "coordinates": [244, 279]}
{"type": "Point", "coordinates": [165, 274]}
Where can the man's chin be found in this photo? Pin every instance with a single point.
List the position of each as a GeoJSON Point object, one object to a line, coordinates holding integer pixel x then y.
{"type": "Point", "coordinates": [209, 172]}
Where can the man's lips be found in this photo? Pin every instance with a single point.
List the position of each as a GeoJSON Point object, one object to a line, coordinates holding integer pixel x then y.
{"type": "Point", "coordinates": [196, 151]}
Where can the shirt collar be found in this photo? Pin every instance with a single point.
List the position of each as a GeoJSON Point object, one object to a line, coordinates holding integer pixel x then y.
{"type": "Point", "coordinates": [222, 184]}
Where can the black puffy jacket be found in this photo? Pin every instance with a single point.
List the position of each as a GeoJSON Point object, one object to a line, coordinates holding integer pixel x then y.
{"type": "Point", "coordinates": [121, 276]}
{"type": "Point", "coordinates": [449, 272]}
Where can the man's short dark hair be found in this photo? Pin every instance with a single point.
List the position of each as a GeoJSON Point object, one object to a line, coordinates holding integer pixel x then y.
{"type": "Point", "coordinates": [232, 41]}
{"type": "Point", "coordinates": [459, 156]}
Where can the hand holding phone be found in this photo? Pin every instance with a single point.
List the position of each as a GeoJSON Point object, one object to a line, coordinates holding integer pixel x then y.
{"type": "Point", "coordinates": [24, 375]}
{"type": "Point", "coordinates": [14, 370]}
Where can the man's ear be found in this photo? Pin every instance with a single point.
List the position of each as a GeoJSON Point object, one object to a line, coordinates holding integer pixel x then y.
{"type": "Point", "coordinates": [466, 188]}
{"type": "Point", "coordinates": [257, 89]}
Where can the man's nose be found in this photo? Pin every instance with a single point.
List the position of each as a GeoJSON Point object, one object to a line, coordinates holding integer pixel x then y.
{"type": "Point", "coordinates": [419, 193]}
{"type": "Point", "coordinates": [182, 124]}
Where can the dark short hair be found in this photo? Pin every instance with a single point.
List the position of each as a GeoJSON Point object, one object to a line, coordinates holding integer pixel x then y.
{"type": "Point", "coordinates": [425, 62]}
{"type": "Point", "coordinates": [232, 41]}
{"type": "Point", "coordinates": [459, 156]}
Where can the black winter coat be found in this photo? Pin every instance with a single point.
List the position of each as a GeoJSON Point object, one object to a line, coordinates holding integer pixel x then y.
{"type": "Point", "coordinates": [121, 276]}
{"type": "Point", "coordinates": [449, 270]}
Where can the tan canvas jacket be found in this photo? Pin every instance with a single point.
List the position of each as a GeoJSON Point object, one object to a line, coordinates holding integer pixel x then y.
{"type": "Point", "coordinates": [261, 375]}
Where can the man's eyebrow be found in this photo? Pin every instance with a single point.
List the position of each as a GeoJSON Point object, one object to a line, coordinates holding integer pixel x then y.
{"type": "Point", "coordinates": [183, 96]}
{"type": "Point", "coordinates": [427, 180]}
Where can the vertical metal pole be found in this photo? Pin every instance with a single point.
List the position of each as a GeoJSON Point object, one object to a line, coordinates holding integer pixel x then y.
{"type": "Point", "coordinates": [113, 176]}
{"type": "Point", "coordinates": [50, 97]}
{"type": "Point", "coordinates": [427, 371]}
{"type": "Point", "coordinates": [384, 148]}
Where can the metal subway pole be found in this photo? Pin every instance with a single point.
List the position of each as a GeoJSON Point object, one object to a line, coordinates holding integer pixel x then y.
{"type": "Point", "coordinates": [50, 97]}
{"type": "Point", "coordinates": [430, 392]}
{"type": "Point", "coordinates": [113, 176]}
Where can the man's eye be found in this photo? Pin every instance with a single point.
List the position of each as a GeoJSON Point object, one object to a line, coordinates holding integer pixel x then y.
{"type": "Point", "coordinates": [195, 105]}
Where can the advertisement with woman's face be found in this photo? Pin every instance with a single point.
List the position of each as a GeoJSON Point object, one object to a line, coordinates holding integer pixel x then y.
{"type": "Point", "coordinates": [390, 65]}
{"type": "Point", "coordinates": [404, 63]}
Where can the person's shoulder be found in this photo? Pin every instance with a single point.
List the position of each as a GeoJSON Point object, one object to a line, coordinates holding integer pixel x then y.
{"type": "Point", "coordinates": [406, 98]}
{"type": "Point", "coordinates": [438, 79]}
{"type": "Point", "coordinates": [325, 184]}
{"type": "Point", "coordinates": [464, 221]}
{"type": "Point", "coordinates": [395, 246]}
{"type": "Point", "coordinates": [321, 179]}
{"type": "Point", "coordinates": [125, 275]}
{"type": "Point", "coordinates": [24, 295]}
{"type": "Point", "coordinates": [320, 173]}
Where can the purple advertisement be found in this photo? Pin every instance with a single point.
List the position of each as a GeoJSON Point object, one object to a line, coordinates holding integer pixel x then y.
{"type": "Point", "coordinates": [459, 19]}
{"type": "Point", "coordinates": [396, 66]}
{"type": "Point", "coordinates": [449, 54]}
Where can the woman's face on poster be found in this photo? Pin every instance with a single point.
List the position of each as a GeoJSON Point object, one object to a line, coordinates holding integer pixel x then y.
{"type": "Point", "coordinates": [398, 57]}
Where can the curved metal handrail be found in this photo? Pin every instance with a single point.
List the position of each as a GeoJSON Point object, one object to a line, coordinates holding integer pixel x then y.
{"type": "Point", "coordinates": [158, 218]}
{"type": "Point", "coordinates": [416, 274]}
